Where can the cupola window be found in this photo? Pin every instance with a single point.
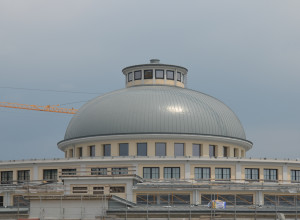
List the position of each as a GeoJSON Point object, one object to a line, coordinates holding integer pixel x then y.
{"type": "Point", "coordinates": [170, 74]}
{"type": "Point", "coordinates": [159, 74]}
{"type": "Point", "coordinates": [179, 76]}
{"type": "Point", "coordinates": [138, 75]}
{"type": "Point", "coordinates": [148, 74]}
{"type": "Point", "coordinates": [130, 77]}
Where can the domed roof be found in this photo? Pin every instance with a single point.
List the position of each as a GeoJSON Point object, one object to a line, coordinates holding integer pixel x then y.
{"type": "Point", "coordinates": [154, 109]}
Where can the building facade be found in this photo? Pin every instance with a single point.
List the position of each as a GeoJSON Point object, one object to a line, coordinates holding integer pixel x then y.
{"type": "Point", "coordinates": [151, 150]}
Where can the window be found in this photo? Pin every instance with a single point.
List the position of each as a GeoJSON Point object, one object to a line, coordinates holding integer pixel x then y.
{"type": "Point", "coordinates": [80, 189]}
{"type": "Point", "coordinates": [123, 149]}
{"type": "Point", "coordinates": [71, 153]}
{"type": "Point", "coordinates": [295, 175]}
{"type": "Point", "coordinates": [270, 175]}
{"type": "Point", "coordinates": [202, 173]}
{"type": "Point", "coordinates": [196, 150]}
{"type": "Point", "coordinates": [50, 174]}
{"type": "Point", "coordinates": [252, 174]}
{"type": "Point", "coordinates": [159, 74]}
{"type": "Point", "coordinates": [179, 76]}
{"type": "Point", "coordinates": [222, 174]}
{"type": "Point", "coordinates": [172, 172]}
{"type": "Point", "coordinates": [1, 201]}
{"type": "Point", "coordinates": [6, 177]}
{"type": "Point", "coordinates": [98, 190]}
{"type": "Point", "coordinates": [212, 150]}
{"type": "Point", "coordinates": [117, 189]}
{"type": "Point", "coordinates": [79, 152]}
{"type": "Point", "coordinates": [106, 150]}
{"type": "Point", "coordinates": [148, 74]}
{"type": "Point", "coordinates": [71, 172]}
{"type": "Point", "coordinates": [98, 171]}
{"type": "Point", "coordinates": [225, 151]}
{"type": "Point", "coordinates": [160, 149]}
{"type": "Point", "coordinates": [170, 75]}
{"type": "Point", "coordinates": [142, 149]}
{"type": "Point", "coordinates": [130, 77]}
{"type": "Point", "coordinates": [178, 149]}
{"type": "Point", "coordinates": [151, 172]}
{"type": "Point", "coordinates": [92, 151]}
{"type": "Point", "coordinates": [23, 176]}
{"type": "Point", "coordinates": [119, 171]}
{"type": "Point", "coordinates": [236, 152]}
{"type": "Point", "coordinates": [137, 75]}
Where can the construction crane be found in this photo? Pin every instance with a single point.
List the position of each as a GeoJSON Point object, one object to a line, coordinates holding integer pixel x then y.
{"type": "Point", "coordinates": [45, 108]}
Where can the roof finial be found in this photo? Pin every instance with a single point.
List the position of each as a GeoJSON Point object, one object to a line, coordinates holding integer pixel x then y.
{"type": "Point", "coordinates": [154, 61]}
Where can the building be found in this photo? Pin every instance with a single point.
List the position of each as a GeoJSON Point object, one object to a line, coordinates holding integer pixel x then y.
{"type": "Point", "coordinates": [151, 150]}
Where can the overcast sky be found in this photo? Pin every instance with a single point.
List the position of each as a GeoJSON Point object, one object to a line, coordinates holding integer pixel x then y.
{"type": "Point", "coordinates": [245, 53]}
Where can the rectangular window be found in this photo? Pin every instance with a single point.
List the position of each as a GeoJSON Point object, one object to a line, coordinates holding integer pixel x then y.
{"type": "Point", "coordinates": [151, 172]}
{"type": "Point", "coordinates": [270, 175]}
{"type": "Point", "coordinates": [123, 149]}
{"type": "Point", "coordinates": [138, 75]}
{"type": "Point", "coordinates": [119, 171]}
{"type": "Point", "coordinates": [92, 151]}
{"type": "Point", "coordinates": [23, 176]}
{"type": "Point", "coordinates": [225, 151]}
{"type": "Point", "coordinates": [172, 172]}
{"type": "Point", "coordinates": [80, 189]}
{"type": "Point", "coordinates": [70, 172]}
{"type": "Point", "coordinates": [98, 171]}
{"type": "Point", "coordinates": [295, 175]}
{"type": "Point", "coordinates": [236, 152]}
{"type": "Point", "coordinates": [252, 174]}
{"type": "Point", "coordinates": [130, 77]}
{"type": "Point", "coordinates": [117, 189]}
{"type": "Point", "coordinates": [98, 190]}
{"type": "Point", "coordinates": [196, 150]}
{"type": "Point", "coordinates": [178, 149]}
{"type": "Point", "coordinates": [71, 153]}
{"type": "Point", "coordinates": [222, 173]}
{"type": "Point", "coordinates": [1, 201]}
{"type": "Point", "coordinates": [159, 74]}
{"type": "Point", "coordinates": [80, 152]}
{"type": "Point", "coordinates": [179, 76]}
{"type": "Point", "coordinates": [142, 149]}
{"type": "Point", "coordinates": [6, 177]}
{"type": "Point", "coordinates": [148, 74]}
{"type": "Point", "coordinates": [170, 74]}
{"type": "Point", "coordinates": [106, 150]}
{"type": "Point", "coordinates": [212, 150]}
{"type": "Point", "coordinates": [202, 173]}
{"type": "Point", "coordinates": [50, 174]}
{"type": "Point", "coordinates": [160, 149]}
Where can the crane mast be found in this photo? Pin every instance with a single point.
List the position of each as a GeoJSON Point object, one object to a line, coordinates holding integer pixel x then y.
{"type": "Point", "coordinates": [45, 108]}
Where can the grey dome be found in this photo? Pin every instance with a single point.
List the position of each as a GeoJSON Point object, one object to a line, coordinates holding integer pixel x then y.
{"type": "Point", "coordinates": [154, 110]}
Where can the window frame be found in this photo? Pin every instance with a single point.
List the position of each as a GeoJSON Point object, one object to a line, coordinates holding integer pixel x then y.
{"type": "Point", "coordinates": [107, 153]}
{"type": "Point", "coordinates": [165, 149]}
{"type": "Point", "coordinates": [23, 176]}
{"type": "Point", "coordinates": [52, 173]}
{"type": "Point", "coordinates": [202, 173]}
{"type": "Point", "coordinates": [199, 149]}
{"type": "Point", "coordinates": [295, 176]}
{"type": "Point", "coordinates": [212, 150]}
{"type": "Point", "coordinates": [136, 77]}
{"type": "Point", "coordinates": [167, 76]}
{"type": "Point", "coordinates": [225, 151]}
{"type": "Point", "coordinates": [130, 77]}
{"type": "Point", "coordinates": [119, 171]}
{"type": "Point", "coordinates": [69, 171]}
{"type": "Point", "coordinates": [179, 149]}
{"type": "Point", "coordinates": [222, 174]}
{"type": "Point", "coordinates": [92, 151]}
{"type": "Point", "coordinates": [268, 175]}
{"type": "Point", "coordinates": [251, 176]}
{"type": "Point", "coordinates": [173, 172]}
{"type": "Point", "coordinates": [7, 177]}
{"type": "Point", "coordinates": [153, 172]}
{"type": "Point", "coordinates": [140, 145]}
{"type": "Point", "coordinates": [179, 78]}
{"type": "Point", "coordinates": [100, 171]}
{"type": "Point", "coordinates": [163, 74]}
{"type": "Point", "coordinates": [150, 72]}
{"type": "Point", "coordinates": [121, 149]}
